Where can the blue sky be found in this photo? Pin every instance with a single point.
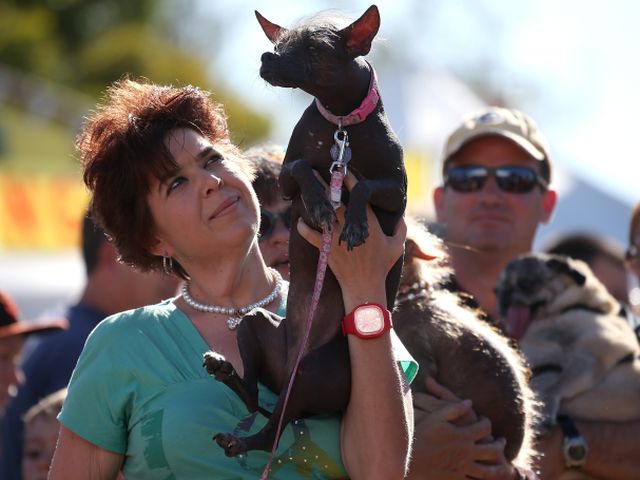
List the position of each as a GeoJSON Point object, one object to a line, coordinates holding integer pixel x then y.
{"type": "Point", "coordinates": [573, 65]}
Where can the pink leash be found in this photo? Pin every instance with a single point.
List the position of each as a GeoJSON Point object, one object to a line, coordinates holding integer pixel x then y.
{"type": "Point", "coordinates": [338, 171]}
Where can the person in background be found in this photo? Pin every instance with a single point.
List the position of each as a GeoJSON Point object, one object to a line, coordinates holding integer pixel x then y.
{"type": "Point", "coordinates": [41, 428]}
{"type": "Point", "coordinates": [495, 193]}
{"type": "Point", "coordinates": [40, 434]}
{"type": "Point", "coordinates": [275, 212]}
{"type": "Point", "coordinates": [632, 261]}
{"type": "Point", "coordinates": [604, 257]}
{"type": "Point", "coordinates": [13, 332]}
{"type": "Point", "coordinates": [174, 193]}
{"type": "Point", "coordinates": [607, 262]}
{"type": "Point", "coordinates": [110, 287]}
{"type": "Point", "coordinates": [632, 255]}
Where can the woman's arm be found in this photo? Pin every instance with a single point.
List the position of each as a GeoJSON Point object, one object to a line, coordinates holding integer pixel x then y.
{"type": "Point", "coordinates": [75, 457]}
{"type": "Point", "coordinates": [377, 425]}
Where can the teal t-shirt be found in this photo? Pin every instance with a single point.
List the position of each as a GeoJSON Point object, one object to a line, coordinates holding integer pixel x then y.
{"type": "Point", "coordinates": [139, 389]}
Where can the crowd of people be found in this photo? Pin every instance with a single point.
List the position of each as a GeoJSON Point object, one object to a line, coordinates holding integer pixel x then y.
{"type": "Point", "coordinates": [184, 231]}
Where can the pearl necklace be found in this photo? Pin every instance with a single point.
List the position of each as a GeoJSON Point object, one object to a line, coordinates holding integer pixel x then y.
{"type": "Point", "coordinates": [235, 313]}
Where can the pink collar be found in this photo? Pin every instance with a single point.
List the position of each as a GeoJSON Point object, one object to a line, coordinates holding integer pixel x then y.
{"type": "Point", "coordinates": [361, 113]}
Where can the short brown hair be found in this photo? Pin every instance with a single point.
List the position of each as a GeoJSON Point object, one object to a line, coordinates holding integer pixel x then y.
{"type": "Point", "coordinates": [267, 160]}
{"type": "Point", "coordinates": [122, 146]}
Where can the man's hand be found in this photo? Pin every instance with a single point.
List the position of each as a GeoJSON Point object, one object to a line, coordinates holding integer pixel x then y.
{"type": "Point", "coordinates": [550, 461]}
{"type": "Point", "coordinates": [452, 442]}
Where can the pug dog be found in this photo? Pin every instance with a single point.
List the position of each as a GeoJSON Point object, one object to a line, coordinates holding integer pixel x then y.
{"type": "Point", "coordinates": [582, 352]}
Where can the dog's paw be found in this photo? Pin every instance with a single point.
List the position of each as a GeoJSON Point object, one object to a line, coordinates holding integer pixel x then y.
{"type": "Point", "coordinates": [232, 445]}
{"type": "Point", "coordinates": [355, 233]}
{"type": "Point", "coordinates": [321, 214]}
{"type": "Point", "coordinates": [217, 366]}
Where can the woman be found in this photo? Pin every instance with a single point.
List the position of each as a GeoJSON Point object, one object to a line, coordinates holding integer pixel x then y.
{"type": "Point", "coordinates": [275, 212]}
{"type": "Point", "coordinates": [172, 192]}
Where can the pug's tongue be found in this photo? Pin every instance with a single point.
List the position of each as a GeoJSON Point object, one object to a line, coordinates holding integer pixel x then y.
{"type": "Point", "coordinates": [518, 318]}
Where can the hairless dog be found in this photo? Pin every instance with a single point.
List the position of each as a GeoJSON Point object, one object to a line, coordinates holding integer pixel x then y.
{"type": "Point", "coordinates": [345, 122]}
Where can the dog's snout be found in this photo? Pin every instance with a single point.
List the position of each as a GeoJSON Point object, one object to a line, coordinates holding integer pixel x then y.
{"type": "Point", "coordinates": [527, 284]}
{"type": "Point", "coordinates": [268, 57]}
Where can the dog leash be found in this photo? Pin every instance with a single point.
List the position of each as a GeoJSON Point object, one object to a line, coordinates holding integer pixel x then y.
{"type": "Point", "coordinates": [341, 154]}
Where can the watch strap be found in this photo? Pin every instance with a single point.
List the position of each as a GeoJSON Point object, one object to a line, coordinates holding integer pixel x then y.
{"type": "Point", "coordinates": [569, 428]}
{"type": "Point", "coordinates": [574, 446]}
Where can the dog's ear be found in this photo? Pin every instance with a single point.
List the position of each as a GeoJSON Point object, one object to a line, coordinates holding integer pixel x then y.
{"type": "Point", "coordinates": [359, 35]}
{"type": "Point", "coordinates": [271, 30]}
{"type": "Point", "coordinates": [413, 250]}
{"type": "Point", "coordinates": [561, 266]}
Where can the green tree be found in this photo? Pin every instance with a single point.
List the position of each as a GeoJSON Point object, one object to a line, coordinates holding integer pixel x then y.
{"type": "Point", "coordinates": [87, 44]}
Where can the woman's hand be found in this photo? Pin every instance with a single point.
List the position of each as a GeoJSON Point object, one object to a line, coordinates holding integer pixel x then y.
{"type": "Point", "coordinates": [378, 417]}
{"type": "Point", "coordinates": [362, 271]}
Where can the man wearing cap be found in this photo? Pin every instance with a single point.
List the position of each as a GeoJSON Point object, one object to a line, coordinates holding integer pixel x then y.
{"type": "Point", "coordinates": [495, 193]}
{"type": "Point", "coordinates": [12, 336]}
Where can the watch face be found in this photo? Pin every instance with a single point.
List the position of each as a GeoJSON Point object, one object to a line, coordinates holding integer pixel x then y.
{"type": "Point", "coordinates": [577, 451]}
{"type": "Point", "coordinates": [368, 320]}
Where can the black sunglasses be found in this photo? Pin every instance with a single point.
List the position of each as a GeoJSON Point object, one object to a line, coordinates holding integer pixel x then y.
{"type": "Point", "coordinates": [512, 179]}
{"type": "Point", "coordinates": [632, 253]}
{"type": "Point", "coordinates": [269, 220]}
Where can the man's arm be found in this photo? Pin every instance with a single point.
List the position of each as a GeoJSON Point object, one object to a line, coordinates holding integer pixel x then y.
{"type": "Point", "coordinates": [614, 450]}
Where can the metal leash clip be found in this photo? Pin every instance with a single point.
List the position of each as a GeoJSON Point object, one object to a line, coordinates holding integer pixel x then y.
{"type": "Point", "coordinates": [341, 155]}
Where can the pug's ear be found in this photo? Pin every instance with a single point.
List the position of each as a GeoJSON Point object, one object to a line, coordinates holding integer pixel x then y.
{"type": "Point", "coordinates": [562, 266]}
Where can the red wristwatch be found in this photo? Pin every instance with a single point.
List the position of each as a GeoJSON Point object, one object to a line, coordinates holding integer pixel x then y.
{"type": "Point", "coordinates": [369, 320]}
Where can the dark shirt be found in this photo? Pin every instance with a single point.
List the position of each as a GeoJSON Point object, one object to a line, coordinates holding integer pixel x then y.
{"type": "Point", "coordinates": [47, 367]}
{"type": "Point", "coordinates": [451, 285]}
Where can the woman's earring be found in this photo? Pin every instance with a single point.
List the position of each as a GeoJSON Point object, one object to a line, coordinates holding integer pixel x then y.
{"type": "Point", "coordinates": [167, 265]}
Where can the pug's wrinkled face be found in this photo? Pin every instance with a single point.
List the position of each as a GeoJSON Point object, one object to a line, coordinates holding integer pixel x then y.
{"type": "Point", "coordinates": [529, 287]}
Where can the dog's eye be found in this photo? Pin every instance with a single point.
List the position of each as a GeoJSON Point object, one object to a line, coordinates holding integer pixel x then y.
{"type": "Point", "coordinates": [311, 49]}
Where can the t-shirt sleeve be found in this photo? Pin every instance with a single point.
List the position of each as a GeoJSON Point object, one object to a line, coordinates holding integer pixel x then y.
{"type": "Point", "coordinates": [100, 389]}
{"type": "Point", "coordinates": [406, 362]}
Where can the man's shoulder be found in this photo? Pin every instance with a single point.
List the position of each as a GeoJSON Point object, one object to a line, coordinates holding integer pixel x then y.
{"type": "Point", "coordinates": [82, 319]}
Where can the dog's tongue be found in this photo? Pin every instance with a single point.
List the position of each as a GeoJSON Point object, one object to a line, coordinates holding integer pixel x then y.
{"type": "Point", "coordinates": [518, 318]}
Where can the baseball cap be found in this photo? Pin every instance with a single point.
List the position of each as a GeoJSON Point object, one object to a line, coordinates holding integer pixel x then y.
{"type": "Point", "coordinates": [11, 325]}
{"type": "Point", "coordinates": [509, 123]}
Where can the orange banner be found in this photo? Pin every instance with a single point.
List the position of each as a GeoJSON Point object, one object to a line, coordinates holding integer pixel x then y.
{"type": "Point", "coordinates": [40, 212]}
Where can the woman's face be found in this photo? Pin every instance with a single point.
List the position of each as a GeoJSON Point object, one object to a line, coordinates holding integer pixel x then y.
{"type": "Point", "coordinates": [205, 208]}
{"type": "Point", "coordinates": [274, 238]}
